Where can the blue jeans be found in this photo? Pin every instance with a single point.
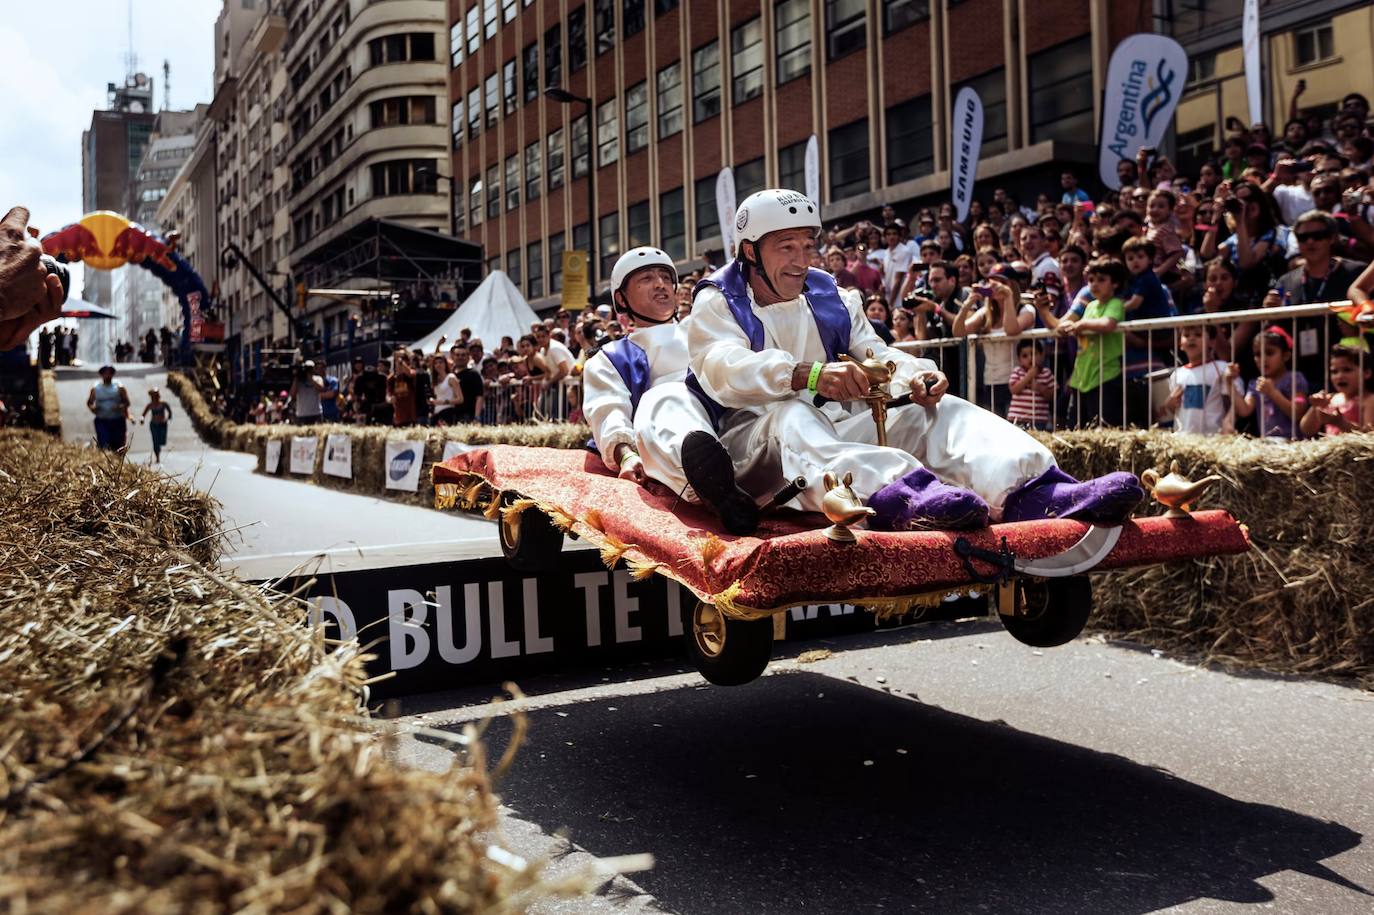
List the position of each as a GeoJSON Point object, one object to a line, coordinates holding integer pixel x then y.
{"type": "Point", "coordinates": [111, 433]}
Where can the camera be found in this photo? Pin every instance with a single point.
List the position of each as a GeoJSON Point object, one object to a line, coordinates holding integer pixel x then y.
{"type": "Point", "coordinates": [58, 269]}
{"type": "Point", "coordinates": [1232, 205]}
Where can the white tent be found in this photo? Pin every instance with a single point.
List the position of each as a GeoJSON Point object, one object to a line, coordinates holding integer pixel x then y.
{"type": "Point", "coordinates": [495, 309]}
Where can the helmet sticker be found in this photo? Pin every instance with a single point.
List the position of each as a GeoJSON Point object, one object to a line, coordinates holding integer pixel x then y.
{"type": "Point", "coordinates": [742, 219]}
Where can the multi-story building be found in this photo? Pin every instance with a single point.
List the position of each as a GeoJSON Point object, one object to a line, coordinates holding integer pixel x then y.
{"type": "Point", "coordinates": [249, 109]}
{"type": "Point", "coordinates": [367, 147]}
{"type": "Point", "coordinates": [680, 89]}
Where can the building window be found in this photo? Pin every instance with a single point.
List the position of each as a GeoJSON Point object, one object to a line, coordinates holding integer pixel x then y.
{"type": "Point", "coordinates": [1061, 92]}
{"type": "Point", "coordinates": [636, 118]}
{"type": "Point", "coordinates": [474, 29]}
{"type": "Point", "coordinates": [493, 264]}
{"type": "Point", "coordinates": [607, 133]}
{"type": "Point", "coordinates": [992, 89]}
{"type": "Point", "coordinates": [489, 18]}
{"type": "Point", "coordinates": [898, 14]}
{"type": "Point", "coordinates": [455, 43]}
{"type": "Point", "coordinates": [705, 82]}
{"type": "Point", "coordinates": [513, 266]}
{"type": "Point", "coordinates": [638, 225]}
{"type": "Point", "coordinates": [392, 112]}
{"type": "Point", "coordinates": [404, 176]}
{"type": "Point", "coordinates": [493, 191]}
{"type": "Point", "coordinates": [460, 210]}
{"type": "Point", "coordinates": [581, 148]}
{"type": "Point", "coordinates": [577, 39]}
{"type": "Point", "coordinates": [845, 27]}
{"type": "Point", "coordinates": [508, 10]}
{"type": "Point", "coordinates": [493, 100]}
{"type": "Point", "coordinates": [534, 170]}
{"type": "Point", "coordinates": [670, 99]}
{"type": "Point", "coordinates": [556, 243]}
{"type": "Point", "coordinates": [534, 259]}
{"type": "Point", "coordinates": [553, 56]}
{"type": "Point", "coordinates": [1201, 69]}
{"type": "Point", "coordinates": [511, 93]}
{"type": "Point", "coordinates": [582, 237]}
{"type": "Point", "coordinates": [792, 38]}
{"type": "Point", "coordinates": [603, 24]}
{"type": "Point", "coordinates": [632, 17]}
{"type": "Point", "coordinates": [749, 178]}
{"type": "Point", "coordinates": [608, 240]}
{"type": "Point", "coordinates": [396, 49]}
{"type": "Point", "coordinates": [792, 166]}
{"type": "Point", "coordinates": [474, 113]}
{"type": "Point", "coordinates": [664, 6]}
{"type": "Point", "coordinates": [910, 140]}
{"type": "Point", "coordinates": [556, 159]}
{"type": "Point", "coordinates": [705, 211]}
{"type": "Point", "coordinates": [1314, 43]}
{"type": "Point", "coordinates": [456, 123]}
{"type": "Point", "coordinates": [849, 160]}
{"type": "Point", "coordinates": [530, 71]}
{"type": "Point", "coordinates": [672, 227]}
{"type": "Point", "coordinates": [746, 61]}
{"type": "Point", "coordinates": [512, 182]}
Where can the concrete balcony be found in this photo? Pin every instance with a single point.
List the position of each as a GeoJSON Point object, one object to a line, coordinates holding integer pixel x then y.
{"type": "Point", "coordinates": [406, 141]}
{"type": "Point", "coordinates": [422, 78]}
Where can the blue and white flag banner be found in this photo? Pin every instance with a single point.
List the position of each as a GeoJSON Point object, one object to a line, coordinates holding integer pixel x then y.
{"type": "Point", "coordinates": [966, 144]}
{"type": "Point", "coordinates": [1144, 81]}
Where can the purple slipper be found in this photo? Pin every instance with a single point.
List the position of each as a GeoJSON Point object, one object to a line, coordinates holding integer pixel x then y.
{"type": "Point", "coordinates": [919, 501]}
{"type": "Point", "coordinates": [1108, 499]}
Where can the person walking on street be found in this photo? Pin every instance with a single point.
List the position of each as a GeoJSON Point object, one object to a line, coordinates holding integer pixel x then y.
{"type": "Point", "coordinates": [157, 425]}
{"type": "Point", "coordinates": [110, 403]}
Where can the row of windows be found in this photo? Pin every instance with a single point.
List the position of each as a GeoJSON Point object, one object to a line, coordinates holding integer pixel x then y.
{"type": "Point", "coordinates": [479, 23]}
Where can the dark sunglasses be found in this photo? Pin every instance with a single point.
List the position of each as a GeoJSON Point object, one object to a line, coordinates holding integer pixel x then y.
{"type": "Point", "coordinates": [1321, 235]}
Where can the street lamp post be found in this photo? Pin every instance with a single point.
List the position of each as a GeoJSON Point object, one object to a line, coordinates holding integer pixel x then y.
{"type": "Point", "coordinates": [564, 97]}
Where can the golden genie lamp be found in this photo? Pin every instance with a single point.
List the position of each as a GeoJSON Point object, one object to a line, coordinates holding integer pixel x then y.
{"type": "Point", "coordinates": [1174, 490]}
{"type": "Point", "coordinates": [842, 507]}
{"type": "Point", "coordinates": [879, 376]}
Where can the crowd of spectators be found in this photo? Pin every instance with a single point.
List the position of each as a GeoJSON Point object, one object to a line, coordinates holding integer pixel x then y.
{"type": "Point", "coordinates": [1277, 221]}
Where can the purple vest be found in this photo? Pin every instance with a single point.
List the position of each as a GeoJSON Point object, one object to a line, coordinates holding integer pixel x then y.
{"type": "Point", "coordinates": [632, 363]}
{"type": "Point", "coordinates": [832, 319]}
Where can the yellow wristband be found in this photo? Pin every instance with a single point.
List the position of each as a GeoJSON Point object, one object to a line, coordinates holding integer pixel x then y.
{"type": "Point", "coordinates": [814, 377]}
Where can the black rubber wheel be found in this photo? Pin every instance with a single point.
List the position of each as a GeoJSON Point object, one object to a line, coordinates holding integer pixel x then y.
{"type": "Point", "coordinates": [1050, 611]}
{"type": "Point", "coordinates": [530, 541]}
{"type": "Point", "coordinates": [726, 651]}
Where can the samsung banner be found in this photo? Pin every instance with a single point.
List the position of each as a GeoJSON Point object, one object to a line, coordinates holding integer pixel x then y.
{"type": "Point", "coordinates": [966, 142]}
{"type": "Point", "coordinates": [1144, 81]}
{"type": "Point", "coordinates": [1250, 44]}
{"type": "Point", "coordinates": [812, 165]}
{"type": "Point", "coordinates": [725, 209]}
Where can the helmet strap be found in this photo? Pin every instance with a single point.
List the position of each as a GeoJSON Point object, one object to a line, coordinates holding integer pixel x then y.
{"type": "Point", "coordinates": [757, 261]}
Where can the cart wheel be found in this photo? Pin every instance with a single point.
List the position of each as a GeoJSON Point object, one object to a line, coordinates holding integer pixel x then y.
{"type": "Point", "coordinates": [726, 651]}
{"type": "Point", "coordinates": [1050, 611]}
{"type": "Point", "coordinates": [530, 541]}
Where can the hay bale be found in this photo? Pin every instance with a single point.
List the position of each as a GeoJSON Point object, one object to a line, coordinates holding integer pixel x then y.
{"type": "Point", "coordinates": [172, 740]}
{"type": "Point", "coordinates": [1302, 601]}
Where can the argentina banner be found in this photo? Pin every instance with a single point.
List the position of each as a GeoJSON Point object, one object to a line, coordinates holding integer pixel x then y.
{"type": "Point", "coordinates": [966, 143]}
{"type": "Point", "coordinates": [1144, 81]}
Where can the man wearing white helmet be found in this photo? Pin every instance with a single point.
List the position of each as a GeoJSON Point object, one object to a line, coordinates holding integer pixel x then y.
{"type": "Point", "coordinates": [767, 340]}
{"type": "Point", "coordinates": [641, 414]}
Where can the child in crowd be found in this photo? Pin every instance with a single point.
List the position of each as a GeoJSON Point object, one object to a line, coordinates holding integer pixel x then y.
{"type": "Point", "coordinates": [1201, 393]}
{"type": "Point", "coordinates": [1279, 393]}
{"type": "Point", "coordinates": [1032, 388]}
{"type": "Point", "coordinates": [1144, 292]}
{"type": "Point", "coordinates": [157, 426]}
{"type": "Point", "coordinates": [1096, 381]}
{"type": "Point", "coordinates": [1351, 407]}
{"type": "Point", "coordinates": [1162, 231]}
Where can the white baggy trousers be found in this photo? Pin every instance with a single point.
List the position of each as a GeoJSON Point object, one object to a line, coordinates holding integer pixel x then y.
{"type": "Point", "coordinates": [666, 414]}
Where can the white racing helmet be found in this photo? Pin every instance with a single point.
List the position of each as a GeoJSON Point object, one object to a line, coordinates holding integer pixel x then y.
{"type": "Point", "coordinates": [773, 210]}
{"type": "Point", "coordinates": [632, 262]}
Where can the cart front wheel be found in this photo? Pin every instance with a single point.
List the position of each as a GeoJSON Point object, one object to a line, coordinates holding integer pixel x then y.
{"type": "Point", "coordinates": [530, 541]}
{"type": "Point", "coordinates": [1049, 611]}
{"type": "Point", "coordinates": [728, 652]}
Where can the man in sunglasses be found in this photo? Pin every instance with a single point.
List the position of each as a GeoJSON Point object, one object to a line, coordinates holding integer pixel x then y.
{"type": "Point", "coordinates": [1322, 277]}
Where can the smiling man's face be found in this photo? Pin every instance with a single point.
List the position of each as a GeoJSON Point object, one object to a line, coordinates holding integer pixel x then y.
{"type": "Point", "coordinates": [786, 256]}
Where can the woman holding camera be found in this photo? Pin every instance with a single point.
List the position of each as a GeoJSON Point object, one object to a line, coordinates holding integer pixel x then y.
{"type": "Point", "coordinates": [1254, 247]}
{"type": "Point", "coordinates": [996, 310]}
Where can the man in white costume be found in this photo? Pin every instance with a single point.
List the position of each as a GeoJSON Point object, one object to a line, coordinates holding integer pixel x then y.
{"type": "Point", "coordinates": [766, 337]}
{"type": "Point", "coordinates": [645, 422]}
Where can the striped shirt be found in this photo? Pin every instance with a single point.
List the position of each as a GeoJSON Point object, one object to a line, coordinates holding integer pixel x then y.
{"type": "Point", "coordinates": [1028, 406]}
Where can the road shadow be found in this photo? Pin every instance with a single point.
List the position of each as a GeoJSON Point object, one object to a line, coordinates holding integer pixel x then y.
{"type": "Point", "coordinates": [793, 794]}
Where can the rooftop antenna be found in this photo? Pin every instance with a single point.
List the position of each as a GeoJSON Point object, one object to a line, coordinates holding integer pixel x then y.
{"type": "Point", "coordinates": [166, 85]}
{"type": "Point", "coordinates": [130, 58]}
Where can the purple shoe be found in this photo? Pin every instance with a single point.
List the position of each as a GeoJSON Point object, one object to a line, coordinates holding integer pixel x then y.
{"type": "Point", "coordinates": [919, 501]}
{"type": "Point", "coordinates": [1108, 499]}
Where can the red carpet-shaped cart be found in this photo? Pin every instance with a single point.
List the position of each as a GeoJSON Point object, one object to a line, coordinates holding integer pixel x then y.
{"type": "Point", "coordinates": [1037, 569]}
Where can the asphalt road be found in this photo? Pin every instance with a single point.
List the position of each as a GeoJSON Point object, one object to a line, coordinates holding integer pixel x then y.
{"type": "Point", "coordinates": [941, 768]}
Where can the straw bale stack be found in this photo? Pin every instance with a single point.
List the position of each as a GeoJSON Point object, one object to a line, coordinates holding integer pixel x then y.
{"type": "Point", "coordinates": [173, 740]}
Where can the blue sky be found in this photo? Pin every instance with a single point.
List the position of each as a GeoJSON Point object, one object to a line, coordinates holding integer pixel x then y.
{"type": "Point", "coordinates": [55, 62]}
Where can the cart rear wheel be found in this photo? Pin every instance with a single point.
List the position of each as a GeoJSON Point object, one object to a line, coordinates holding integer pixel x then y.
{"type": "Point", "coordinates": [727, 652]}
{"type": "Point", "coordinates": [1050, 611]}
{"type": "Point", "coordinates": [530, 541]}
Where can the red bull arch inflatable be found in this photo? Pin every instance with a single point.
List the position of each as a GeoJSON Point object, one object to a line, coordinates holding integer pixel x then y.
{"type": "Point", "coordinates": [105, 241]}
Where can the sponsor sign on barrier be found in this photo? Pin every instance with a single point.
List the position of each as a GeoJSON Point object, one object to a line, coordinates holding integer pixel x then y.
{"type": "Point", "coordinates": [338, 456]}
{"type": "Point", "coordinates": [272, 456]}
{"type": "Point", "coordinates": [1144, 81]}
{"type": "Point", "coordinates": [303, 449]}
{"type": "Point", "coordinates": [403, 460]}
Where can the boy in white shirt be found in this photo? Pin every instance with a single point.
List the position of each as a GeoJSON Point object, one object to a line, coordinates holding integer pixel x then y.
{"type": "Point", "coordinates": [1201, 395]}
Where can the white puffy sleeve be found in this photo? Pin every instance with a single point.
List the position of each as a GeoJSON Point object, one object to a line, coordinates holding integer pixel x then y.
{"type": "Point", "coordinates": [719, 354]}
{"type": "Point", "coordinates": [606, 404]}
